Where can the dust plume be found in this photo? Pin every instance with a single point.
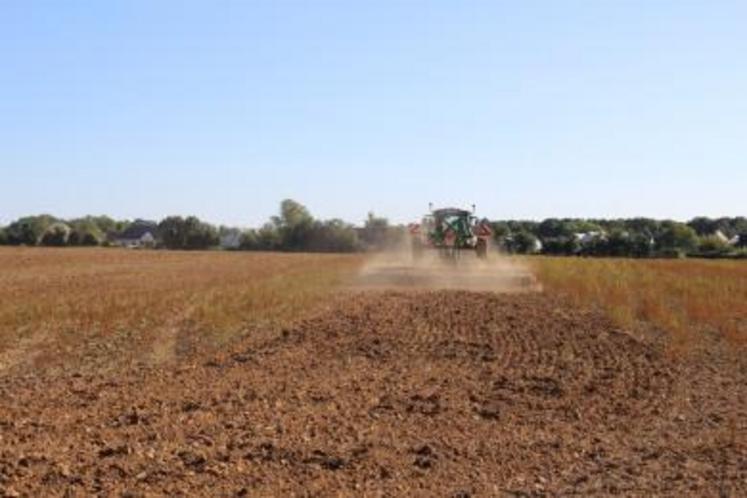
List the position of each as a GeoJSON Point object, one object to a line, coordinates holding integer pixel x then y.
{"type": "Point", "coordinates": [398, 269]}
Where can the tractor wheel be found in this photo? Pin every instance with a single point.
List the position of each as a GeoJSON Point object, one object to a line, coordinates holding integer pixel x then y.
{"type": "Point", "coordinates": [482, 249]}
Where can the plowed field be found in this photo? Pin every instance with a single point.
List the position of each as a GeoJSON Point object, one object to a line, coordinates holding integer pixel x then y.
{"type": "Point", "coordinates": [391, 393]}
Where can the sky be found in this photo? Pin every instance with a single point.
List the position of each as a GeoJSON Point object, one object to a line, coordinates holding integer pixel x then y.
{"type": "Point", "coordinates": [528, 109]}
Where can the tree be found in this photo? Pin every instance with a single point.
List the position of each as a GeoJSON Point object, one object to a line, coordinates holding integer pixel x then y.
{"type": "Point", "coordinates": [85, 232]}
{"type": "Point", "coordinates": [29, 230]}
{"type": "Point", "coordinates": [269, 237]}
{"type": "Point", "coordinates": [200, 235]}
{"type": "Point", "coordinates": [187, 233]}
{"type": "Point", "coordinates": [712, 244]}
{"type": "Point", "coordinates": [294, 225]}
{"type": "Point", "coordinates": [249, 241]}
{"type": "Point", "coordinates": [645, 226]}
{"type": "Point", "coordinates": [3, 236]}
{"type": "Point", "coordinates": [332, 236]}
{"type": "Point", "coordinates": [172, 232]}
{"type": "Point", "coordinates": [702, 225]}
{"type": "Point", "coordinates": [523, 243]}
{"type": "Point", "coordinates": [618, 243]}
{"type": "Point", "coordinates": [552, 227]}
{"type": "Point", "coordinates": [376, 232]}
{"type": "Point", "coordinates": [677, 237]}
{"type": "Point", "coordinates": [57, 234]}
{"type": "Point", "coordinates": [641, 245]}
{"type": "Point", "coordinates": [567, 245]}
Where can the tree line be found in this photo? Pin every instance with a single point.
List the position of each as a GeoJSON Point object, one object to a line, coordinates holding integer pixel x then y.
{"type": "Point", "coordinates": [632, 237]}
{"type": "Point", "coordinates": [295, 229]}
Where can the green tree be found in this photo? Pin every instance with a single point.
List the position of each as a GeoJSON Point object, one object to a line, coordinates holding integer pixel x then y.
{"type": "Point", "coordinates": [641, 245]}
{"type": "Point", "coordinates": [269, 237]}
{"type": "Point", "coordinates": [713, 245]}
{"type": "Point", "coordinates": [566, 245]}
{"type": "Point", "coordinates": [250, 241]}
{"type": "Point", "coordinates": [29, 230]}
{"type": "Point", "coordinates": [200, 235]}
{"type": "Point", "coordinates": [294, 225]}
{"type": "Point", "coordinates": [523, 242]}
{"type": "Point", "coordinates": [378, 234]}
{"type": "Point", "coordinates": [332, 236]}
{"type": "Point", "coordinates": [85, 232]}
{"type": "Point", "coordinates": [172, 232]}
{"type": "Point", "coordinates": [553, 227]}
{"type": "Point", "coordinates": [703, 226]}
{"type": "Point", "coordinates": [56, 234]}
{"type": "Point", "coordinates": [677, 237]}
{"type": "Point", "coordinates": [3, 236]}
{"type": "Point", "coordinates": [187, 233]}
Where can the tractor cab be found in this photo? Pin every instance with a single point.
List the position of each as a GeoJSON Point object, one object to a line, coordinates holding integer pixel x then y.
{"type": "Point", "coordinates": [452, 226]}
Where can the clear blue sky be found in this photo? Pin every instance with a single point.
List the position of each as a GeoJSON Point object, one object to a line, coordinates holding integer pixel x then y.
{"type": "Point", "coordinates": [222, 109]}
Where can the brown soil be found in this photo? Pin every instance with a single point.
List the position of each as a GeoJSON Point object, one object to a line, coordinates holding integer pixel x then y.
{"type": "Point", "coordinates": [432, 393]}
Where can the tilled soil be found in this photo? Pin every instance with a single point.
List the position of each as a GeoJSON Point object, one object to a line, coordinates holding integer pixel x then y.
{"type": "Point", "coordinates": [440, 393]}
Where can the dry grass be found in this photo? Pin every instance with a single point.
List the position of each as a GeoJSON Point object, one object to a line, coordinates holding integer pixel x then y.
{"type": "Point", "coordinates": [683, 297]}
{"type": "Point", "coordinates": [61, 299]}
{"type": "Point", "coordinates": [75, 294]}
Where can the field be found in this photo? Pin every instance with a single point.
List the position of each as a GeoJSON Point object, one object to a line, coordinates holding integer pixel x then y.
{"type": "Point", "coordinates": [148, 305]}
{"type": "Point", "coordinates": [684, 298]}
{"type": "Point", "coordinates": [143, 373]}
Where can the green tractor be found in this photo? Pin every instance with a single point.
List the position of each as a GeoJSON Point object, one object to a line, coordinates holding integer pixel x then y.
{"type": "Point", "coordinates": [451, 231]}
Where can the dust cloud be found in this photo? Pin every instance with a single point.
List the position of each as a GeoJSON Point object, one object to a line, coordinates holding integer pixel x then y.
{"type": "Point", "coordinates": [399, 270]}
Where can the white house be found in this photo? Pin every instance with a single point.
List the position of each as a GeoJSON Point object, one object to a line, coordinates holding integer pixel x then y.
{"type": "Point", "coordinates": [720, 235]}
{"type": "Point", "coordinates": [584, 238]}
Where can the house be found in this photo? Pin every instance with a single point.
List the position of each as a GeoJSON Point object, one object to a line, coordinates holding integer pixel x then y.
{"type": "Point", "coordinates": [536, 246]}
{"type": "Point", "coordinates": [720, 236]}
{"type": "Point", "coordinates": [141, 233]}
{"type": "Point", "coordinates": [584, 238]}
{"type": "Point", "coordinates": [230, 239]}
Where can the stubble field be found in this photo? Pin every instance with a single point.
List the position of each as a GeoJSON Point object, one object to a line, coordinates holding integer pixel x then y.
{"type": "Point", "coordinates": [127, 373]}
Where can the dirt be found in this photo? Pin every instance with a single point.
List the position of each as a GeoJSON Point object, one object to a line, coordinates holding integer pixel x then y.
{"type": "Point", "coordinates": [418, 393]}
{"type": "Point", "coordinates": [397, 270]}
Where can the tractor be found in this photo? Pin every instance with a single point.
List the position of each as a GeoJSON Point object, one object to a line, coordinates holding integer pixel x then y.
{"type": "Point", "coordinates": [451, 231]}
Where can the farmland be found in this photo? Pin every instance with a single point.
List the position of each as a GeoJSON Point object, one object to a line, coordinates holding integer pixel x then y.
{"type": "Point", "coordinates": [57, 303]}
{"type": "Point", "coordinates": [149, 373]}
{"type": "Point", "coordinates": [685, 298]}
